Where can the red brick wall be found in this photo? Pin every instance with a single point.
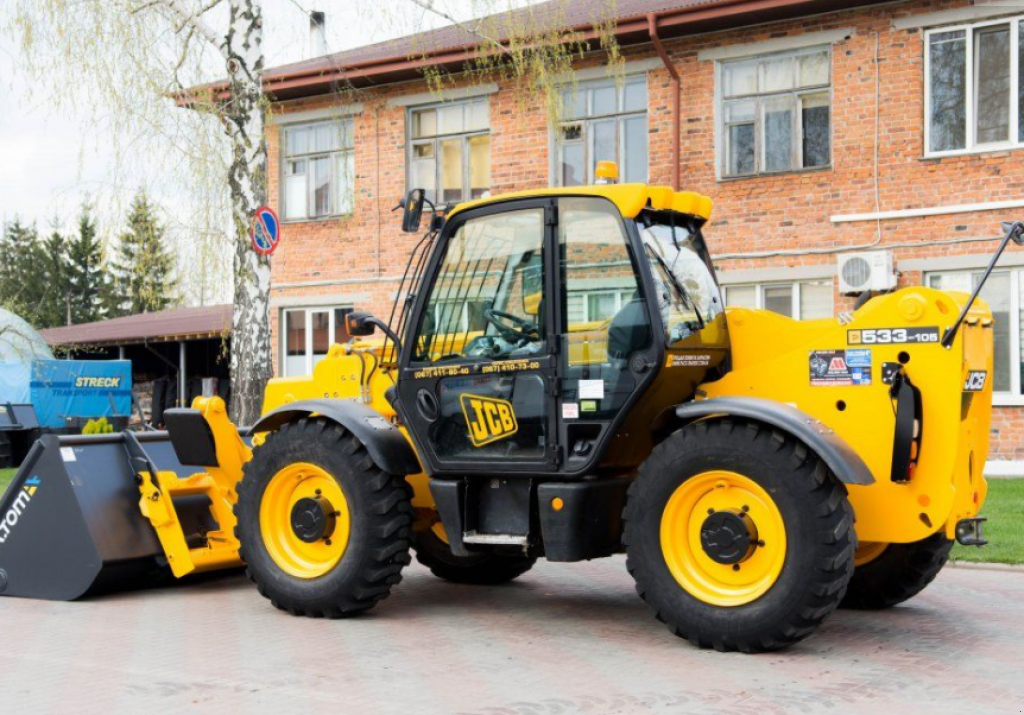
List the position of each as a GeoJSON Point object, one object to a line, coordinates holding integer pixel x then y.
{"type": "Point", "coordinates": [780, 212]}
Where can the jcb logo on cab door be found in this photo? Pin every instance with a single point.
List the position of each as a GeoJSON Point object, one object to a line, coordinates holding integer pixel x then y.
{"type": "Point", "coordinates": [489, 419]}
{"type": "Point", "coordinates": [975, 381]}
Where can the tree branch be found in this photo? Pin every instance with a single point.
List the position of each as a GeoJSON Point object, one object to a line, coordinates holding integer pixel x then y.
{"type": "Point", "coordinates": [428, 5]}
{"type": "Point", "coordinates": [194, 20]}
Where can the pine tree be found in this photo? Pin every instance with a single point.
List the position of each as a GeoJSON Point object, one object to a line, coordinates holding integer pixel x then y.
{"type": "Point", "coordinates": [142, 267]}
{"type": "Point", "coordinates": [55, 303]}
{"type": "Point", "coordinates": [86, 280]}
{"type": "Point", "coordinates": [20, 287]}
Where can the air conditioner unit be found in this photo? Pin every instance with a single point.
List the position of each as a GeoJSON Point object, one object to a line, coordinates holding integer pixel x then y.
{"type": "Point", "coordinates": [866, 271]}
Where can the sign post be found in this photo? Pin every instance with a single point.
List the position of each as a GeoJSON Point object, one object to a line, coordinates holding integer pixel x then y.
{"type": "Point", "coordinates": [266, 231]}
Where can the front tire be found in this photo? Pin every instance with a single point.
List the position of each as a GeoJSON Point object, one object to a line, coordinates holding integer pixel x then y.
{"type": "Point", "coordinates": [478, 569]}
{"type": "Point", "coordinates": [889, 574]}
{"type": "Point", "coordinates": [324, 532]}
{"type": "Point", "coordinates": [738, 536]}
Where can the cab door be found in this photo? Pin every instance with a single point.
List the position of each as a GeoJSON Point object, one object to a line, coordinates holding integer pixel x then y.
{"type": "Point", "coordinates": [477, 373]}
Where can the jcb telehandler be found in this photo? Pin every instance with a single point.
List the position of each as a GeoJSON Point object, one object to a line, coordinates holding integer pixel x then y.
{"type": "Point", "coordinates": [562, 380]}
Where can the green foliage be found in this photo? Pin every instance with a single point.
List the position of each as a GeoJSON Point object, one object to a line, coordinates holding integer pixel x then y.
{"type": "Point", "coordinates": [53, 274]}
{"type": "Point", "coordinates": [141, 267]}
{"type": "Point", "coordinates": [87, 283]}
{"type": "Point", "coordinates": [1004, 530]}
{"type": "Point", "coordinates": [20, 254]}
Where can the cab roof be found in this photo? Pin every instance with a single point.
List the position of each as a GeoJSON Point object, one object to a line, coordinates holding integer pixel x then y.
{"type": "Point", "coordinates": [630, 199]}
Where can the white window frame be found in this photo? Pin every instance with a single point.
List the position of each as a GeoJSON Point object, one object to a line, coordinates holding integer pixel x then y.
{"type": "Point", "coordinates": [795, 286]}
{"type": "Point", "coordinates": [972, 147]}
{"type": "Point", "coordinates": [587, 139]}
{"type": "Point", "coordinates": [341, 155]}
{"type": "Point", "coordinates": [1013, 398]}
{"type": "Point", "coordinates": [331, 311]}
{"type": "Point", "coordinates": [621, 295]}
{"type": "Point", "coordinates": [721, 142]}
{"type": "Point", "coordinates": [436, 139]}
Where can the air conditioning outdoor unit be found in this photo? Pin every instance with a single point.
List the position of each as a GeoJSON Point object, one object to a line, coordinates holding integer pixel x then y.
{"type": "Point", "coordinates": [866, 271]}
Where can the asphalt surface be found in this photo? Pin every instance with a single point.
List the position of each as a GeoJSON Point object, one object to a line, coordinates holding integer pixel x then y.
{"type": "Point", "coordinates": [564, 639]}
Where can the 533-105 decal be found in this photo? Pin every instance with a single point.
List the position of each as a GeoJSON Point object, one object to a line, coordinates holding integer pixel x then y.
{"type": "Point", "coordinates": [892, 336]}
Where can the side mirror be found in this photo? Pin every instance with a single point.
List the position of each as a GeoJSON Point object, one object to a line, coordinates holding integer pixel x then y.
{"type": "Point", "coordinates": [1015, 230]}
{"type": "Point", "coordinates": [360, 325]}
{"type": "Point", "coordinates": [412, 213]}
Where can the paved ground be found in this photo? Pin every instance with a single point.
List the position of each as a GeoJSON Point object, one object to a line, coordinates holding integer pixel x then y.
{"type": "Point", "coordinates": [565, 639]}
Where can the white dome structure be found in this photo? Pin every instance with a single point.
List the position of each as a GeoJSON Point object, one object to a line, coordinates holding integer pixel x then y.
{"type": "Point", "coordinates": [19, 341]}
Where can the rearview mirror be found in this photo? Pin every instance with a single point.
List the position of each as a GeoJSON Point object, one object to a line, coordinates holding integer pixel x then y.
{"type": "Point", "coordinates": [413, 211]}
{"type": "Point", "coordinates": [359, 325]}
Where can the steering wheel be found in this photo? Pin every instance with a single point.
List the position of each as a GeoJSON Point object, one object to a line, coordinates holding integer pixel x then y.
{"type": "Point", "coordinates": [526, 330]}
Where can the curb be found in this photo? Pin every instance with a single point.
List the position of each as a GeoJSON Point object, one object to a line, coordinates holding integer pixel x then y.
{"type": "Point", "coordinates": [987, 566]}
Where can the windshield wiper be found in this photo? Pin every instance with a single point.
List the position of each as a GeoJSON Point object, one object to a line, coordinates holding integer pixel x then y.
{"type": "Point", "coordinates": [691, 304]}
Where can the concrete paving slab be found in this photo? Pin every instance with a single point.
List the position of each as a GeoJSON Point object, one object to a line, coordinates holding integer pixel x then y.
{"type": "Point", "coordinates": [564, 639]}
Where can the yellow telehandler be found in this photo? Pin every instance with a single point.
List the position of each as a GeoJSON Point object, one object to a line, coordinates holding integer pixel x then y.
{"type": "Point", "coordinates": [560, 379]}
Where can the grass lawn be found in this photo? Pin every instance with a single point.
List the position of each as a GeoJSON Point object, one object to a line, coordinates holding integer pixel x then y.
{"type": "Point", "coordinates": [1004, 530]}
{"type": "Point", "coordinates": [6, 475]}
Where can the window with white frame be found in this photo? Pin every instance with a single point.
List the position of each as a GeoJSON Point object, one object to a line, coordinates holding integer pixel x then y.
{"type": "Point", "coordinates": [307, 335]}
{"type": "Point", "coordinates": [1002, 292]}
{"type": "Point", "coordinates": [450, 150]}
{"type": "Point", "coordinates": [776, 113]}
{"type": "Point", "coordinates": [592, 305]}
{"type": "Point", "coordinates": [318, 170]}
{"type": "Point", "coordinates": [973, 92]}
{"type": "Point", "coordinates": [602, 121]}
{"type": "Point", "coordinates": [803, 300]}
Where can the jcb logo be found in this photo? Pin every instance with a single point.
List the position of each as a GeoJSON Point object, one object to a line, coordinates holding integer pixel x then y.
{"type": "Point", "coordinates": [975, 381]}
{"type": "Point", "coordinates": [488, 419]}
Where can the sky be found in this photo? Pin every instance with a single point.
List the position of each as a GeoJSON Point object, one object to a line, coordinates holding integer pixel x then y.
{"type": "Point", "coordinates": [51, 160]}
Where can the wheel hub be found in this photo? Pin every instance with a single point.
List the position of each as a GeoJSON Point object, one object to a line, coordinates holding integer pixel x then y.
{"type": "Point", "coordinates": [728, 536]}
{"type": "Point", "coordinates": [313, 519]}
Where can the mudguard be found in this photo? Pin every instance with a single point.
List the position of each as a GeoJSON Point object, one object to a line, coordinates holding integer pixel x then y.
{"type": "Point", "coordinates": [386, 444]}
{"type": "Point", "coordinates": [833, 449]}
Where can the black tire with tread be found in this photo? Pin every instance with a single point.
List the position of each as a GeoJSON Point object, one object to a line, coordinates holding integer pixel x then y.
{"type": "Point", "coordinates": [819, 530]}
{"type": "Point", "coordinates": [482, 569]}
{"type": "Point", "coordinates": [380, 513]}
{"type": "Point", "coordinates": [898, 574]}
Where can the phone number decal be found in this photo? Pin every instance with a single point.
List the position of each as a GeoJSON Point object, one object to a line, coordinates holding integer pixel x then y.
{"type": "Point", "coordinates": [892, 336]}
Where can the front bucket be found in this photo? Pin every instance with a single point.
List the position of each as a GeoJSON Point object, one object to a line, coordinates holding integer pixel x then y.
{"type": "Point", "coordinates": [70, 523]}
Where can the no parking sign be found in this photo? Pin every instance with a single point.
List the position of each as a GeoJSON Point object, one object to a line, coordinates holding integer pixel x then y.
{"type": "Point", "coordinates": [266, 231]}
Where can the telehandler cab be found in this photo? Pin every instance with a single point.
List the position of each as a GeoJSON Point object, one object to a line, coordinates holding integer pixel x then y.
{"type": "Point", "coordinates": [562, 380]}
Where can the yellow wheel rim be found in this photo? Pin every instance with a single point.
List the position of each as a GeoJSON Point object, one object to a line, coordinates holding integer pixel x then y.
{"type": "Point", "coordinates": [294, 555]}
{"type": "Point", "coordinates": [868, 551]}
{"type": "Point", "coordinates": [701, 576]}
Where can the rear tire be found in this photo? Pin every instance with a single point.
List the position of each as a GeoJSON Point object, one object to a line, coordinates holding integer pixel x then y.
{"type": "Point", "coordinates": [898, 573]}
{"type": "Point", "coordinates": [478, 569]}
{"type": "Point", "coordinates": [773, 599]}
{"type": "Point", "coordinates": [376, 512]}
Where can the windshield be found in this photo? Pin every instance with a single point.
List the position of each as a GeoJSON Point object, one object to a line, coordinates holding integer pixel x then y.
{"type": "Point", "coordinates": [687, 294]}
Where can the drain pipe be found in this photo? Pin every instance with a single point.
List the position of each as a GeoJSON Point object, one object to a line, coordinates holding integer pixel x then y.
{"type": "Point", "coordinates": [652, 28]}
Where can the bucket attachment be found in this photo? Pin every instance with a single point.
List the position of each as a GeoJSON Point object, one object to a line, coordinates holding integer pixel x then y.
{"type": "Point", "coordinates": [88, 514]}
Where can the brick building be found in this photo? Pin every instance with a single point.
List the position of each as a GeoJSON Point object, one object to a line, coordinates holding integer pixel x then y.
{"type": "Point", "coordinates": [819, 128]}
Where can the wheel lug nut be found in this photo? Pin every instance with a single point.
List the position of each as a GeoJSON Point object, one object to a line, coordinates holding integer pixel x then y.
{"type": "Point", "coordinates": [735, 567]}
{"type": "Point", "coordinates": [711, 511]}
{"type": "Point", "coordinates": [746, 508]}
{"type": "Point", "coordinates": [761, 543]}
{"type": "Point", "coordinates": [318, 492]}
{"type": "Point", "coordinates": [327, 541]}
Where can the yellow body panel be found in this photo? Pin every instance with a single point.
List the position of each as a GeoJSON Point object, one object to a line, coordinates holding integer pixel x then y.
{"type": "Point", "coordinates": [630, 199]}
{"type": "Point", "coordinates": [770, 359]}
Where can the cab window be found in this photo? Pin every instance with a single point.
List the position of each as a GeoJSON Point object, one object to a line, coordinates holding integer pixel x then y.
{"type": "Point", "coordinates": [687, 294]}
{"type": "Point", "coordinates": [487, 300]}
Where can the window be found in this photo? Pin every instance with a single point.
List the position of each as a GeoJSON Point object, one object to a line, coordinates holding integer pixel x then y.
{"type": "Point", "coordinates": [308, 334]}
{"type": "Point", "coordinates": [807, 300]}
{"type": "Point", "coordinates": [450, 150]}
{"type": "Point", "coordinates": [487, 298]}
{"type": "Point", "coordinates": [776, 113]}
{"type": "Point", "coordinates": [603, 121]}
{"type": "Point", "coordinates": [973, 93]}
{"type": "Point", "coordinates": [1002, 292]}
{"type": "Point", "coordinates": [319, 170]}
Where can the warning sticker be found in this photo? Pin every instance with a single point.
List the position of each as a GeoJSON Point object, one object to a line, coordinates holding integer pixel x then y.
{"type": "Point", "coordinates": [570, 411]}
{"type": "Point", "coordinates": [838, 368]}
{"type": "Point", "coordinates": [688, 360]}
